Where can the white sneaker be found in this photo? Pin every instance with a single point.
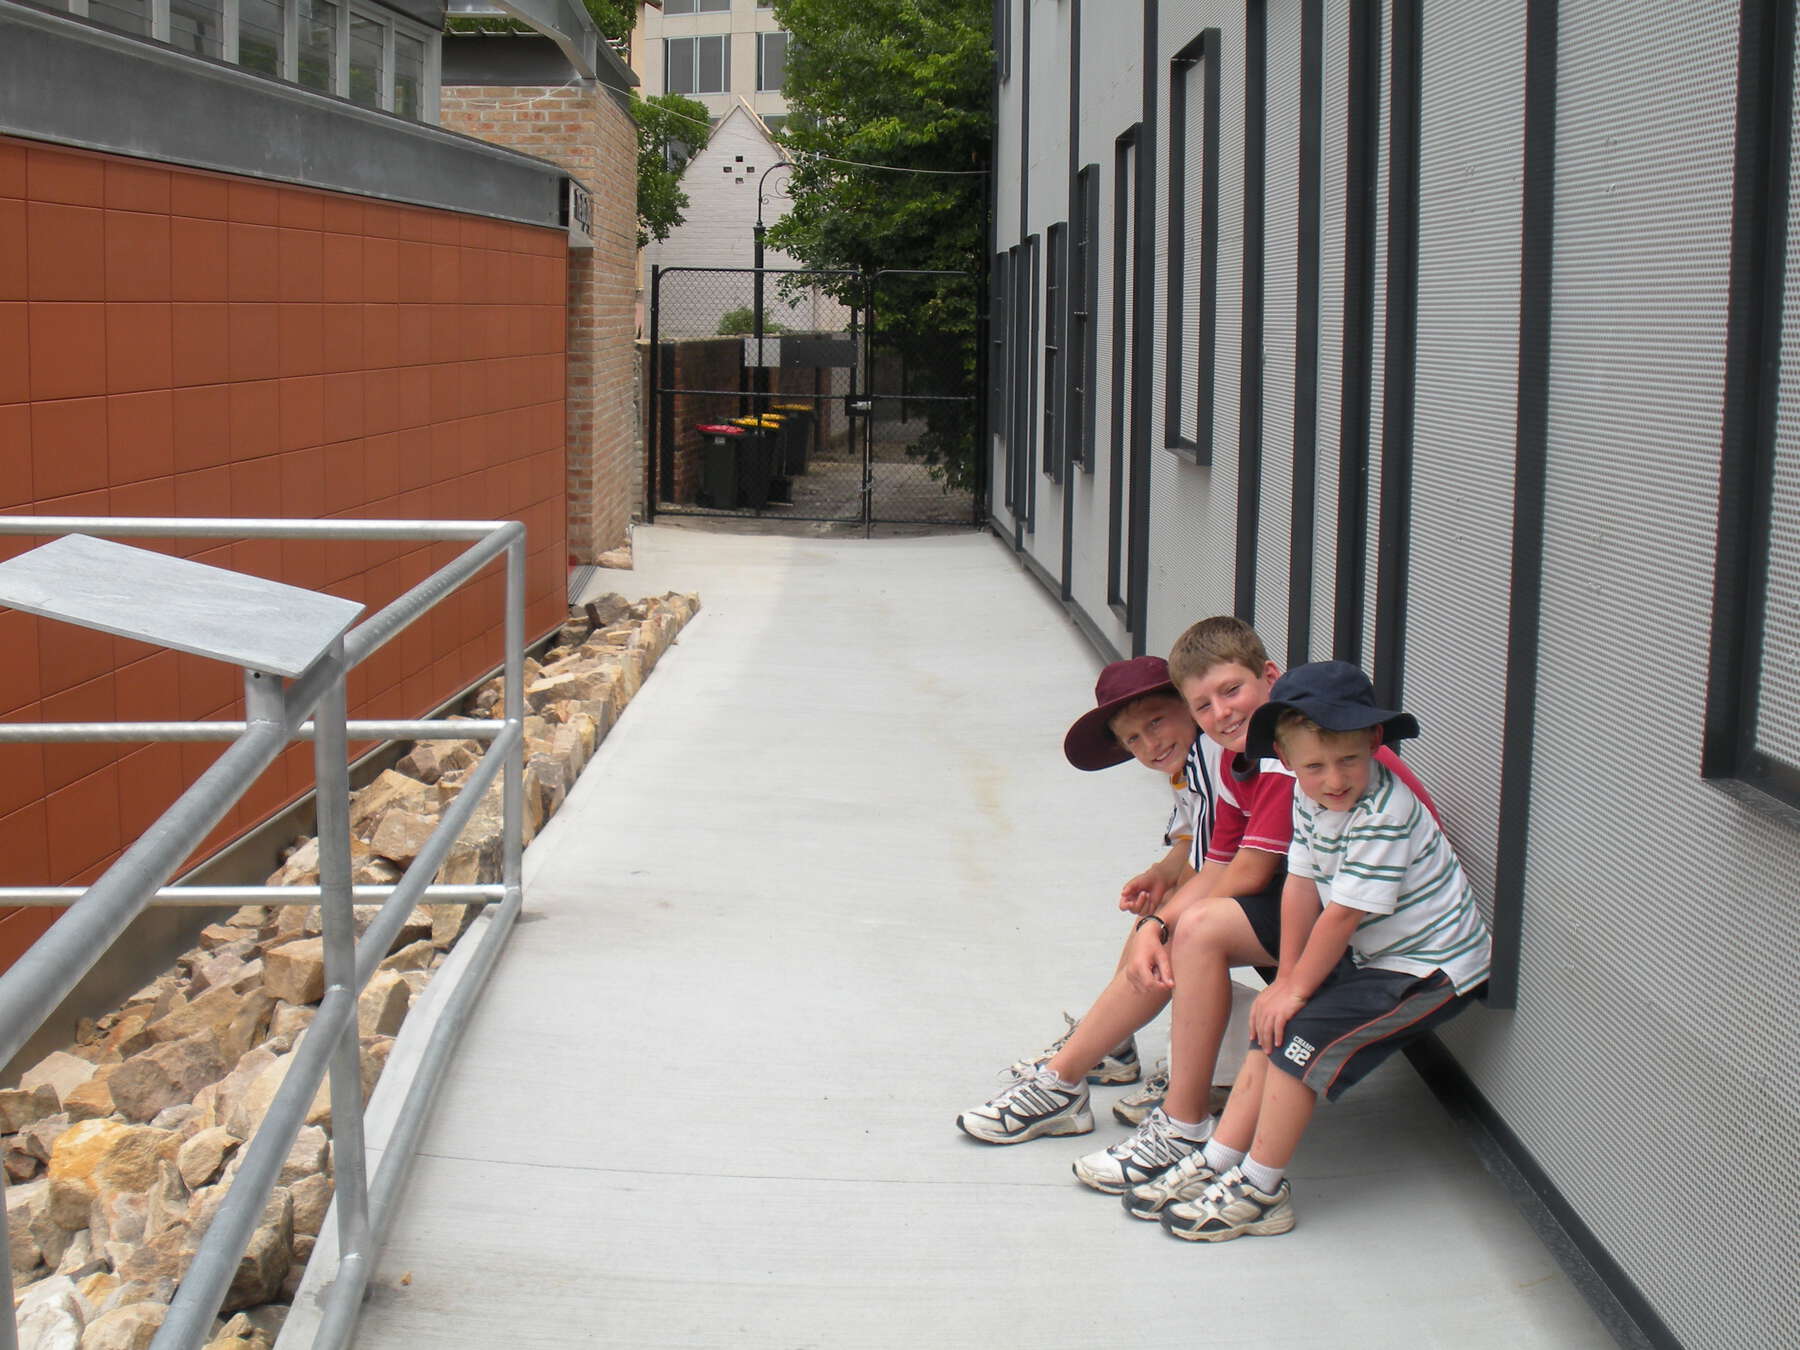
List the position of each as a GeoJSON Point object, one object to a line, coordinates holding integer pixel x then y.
{"type": "Point", "coordinates": [1134, 1106]}
{"type": "Point", "coordinates": [1120, 1064]}
{"type": "Point", "coordinates": [1186, 1180]}
{"type": "Point", "coordinates": [1139, 1157]}
{"type": "Point", "coordinates": [1231, 1208]}
{"type": "Point", "coordinates": [1032, 1106]}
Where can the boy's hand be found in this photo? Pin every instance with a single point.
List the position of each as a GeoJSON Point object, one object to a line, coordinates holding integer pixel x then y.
{"type": "Point", "coordinates": [1147, 963]}
{"type": "Point", "coordinates": [1144, 892]}
{"type": "Point", "coordinates": [1269, 1016]}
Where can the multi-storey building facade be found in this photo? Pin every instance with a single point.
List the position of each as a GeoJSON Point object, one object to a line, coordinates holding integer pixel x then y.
{"type": "Point", "coordinates": [716, 52]}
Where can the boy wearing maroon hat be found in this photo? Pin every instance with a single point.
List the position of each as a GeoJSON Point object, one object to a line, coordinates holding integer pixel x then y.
{"type": "Point", "coordinates": [1227, 851]}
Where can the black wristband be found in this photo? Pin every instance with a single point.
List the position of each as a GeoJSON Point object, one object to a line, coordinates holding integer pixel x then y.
{"type": "Point", "coordinates": [1156, 919]}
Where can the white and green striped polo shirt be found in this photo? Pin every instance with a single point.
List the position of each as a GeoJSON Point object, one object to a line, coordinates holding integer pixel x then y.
{"type": "Point", "coordinates": [1387, 856]}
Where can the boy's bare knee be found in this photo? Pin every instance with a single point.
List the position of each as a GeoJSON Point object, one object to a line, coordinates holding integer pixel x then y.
{"type": "Point", "coordinates": [1200, 935]}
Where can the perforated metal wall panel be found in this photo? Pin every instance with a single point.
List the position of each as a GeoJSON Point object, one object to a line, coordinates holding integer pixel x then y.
{"type": "Point", "coordinates": [1048, 187]}
{"type": "Point", "coordinates": [1378, 337]}
{"type": "Point", "coordinates": [1112, 100]}
{"type": "Point", "coordinates": [1334, 175]}
{"type": "Point", "coordinates": [1280, 257]}
{"type": "Point", "coordinates": [1657, 908]}
{"type": "Point", "coordinates": [1471, 154]}
{"type": "Point", "coordinates": [1778, 716]}
{"type": "Point", "coordinates": [1193, 526]}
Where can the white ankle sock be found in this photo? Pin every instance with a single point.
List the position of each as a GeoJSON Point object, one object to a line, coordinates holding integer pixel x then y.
{"type": "Point", "coordinates": [1261, 1176]}
{"type": "Point", "coordinates": [1197, 1130]}
{"type": "Point", "coordinates": [1059, 1080]}
{"type": "Point", "coordinates": [1221, 1158]}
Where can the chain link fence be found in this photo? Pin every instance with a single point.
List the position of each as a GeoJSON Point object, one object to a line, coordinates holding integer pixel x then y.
{"type": "Point", "coordinates": [811, 395]}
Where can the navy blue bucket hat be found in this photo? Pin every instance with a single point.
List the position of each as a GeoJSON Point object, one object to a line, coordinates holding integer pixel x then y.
{"type": "Point", "coordinates": [1336, 695]}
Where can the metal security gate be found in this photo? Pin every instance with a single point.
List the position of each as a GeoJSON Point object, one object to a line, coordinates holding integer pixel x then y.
{"type": "Point", "coordinates": [809, 395]}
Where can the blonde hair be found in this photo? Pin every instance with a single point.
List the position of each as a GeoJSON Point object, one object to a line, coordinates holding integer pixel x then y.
{"type": "Point", "coordinates": [1213, 642]}
{"type": "Point", "coordinates": [1291, 720]}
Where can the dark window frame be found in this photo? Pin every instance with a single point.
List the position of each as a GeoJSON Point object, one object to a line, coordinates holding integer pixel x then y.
{"type": "Point", "coordinates": [762, 87]}
{"type": "Point", "coordinates": [693, 44]}
{"type": "Point", "coordinates": [1124, 264]}
{"type": "Point", "coordinates": [1030, 374]}
{"type": "Point", "coordinates": [1056, 286]}
{"type": "Point", "coordinates": [1250, 385]}
{"type": "Point", "coordinates": [1201, 52]}
{"type": "Point", "coordinates": [1731, 757]}
{"type": "Point", "coordinates": [1082, 346]}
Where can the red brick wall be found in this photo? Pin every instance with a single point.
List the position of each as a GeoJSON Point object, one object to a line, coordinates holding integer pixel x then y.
{"type": "Point", "coordinates": [591, 137]}
{"type": "Point", "coordinates": [183, 343]}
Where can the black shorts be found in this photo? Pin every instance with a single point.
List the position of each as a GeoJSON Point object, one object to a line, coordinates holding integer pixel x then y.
{"type": "Point", "coordinates": [1263, 910]}
{"type": "Point", "coordinates": [1357, 1018]}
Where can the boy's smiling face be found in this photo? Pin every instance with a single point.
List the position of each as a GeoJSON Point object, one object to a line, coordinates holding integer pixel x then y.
{"type": "Point", "coordinates": [1223, 698]}
{"type": "Point", "coordinates": [1331, 768]}
{"type": "Point", "coordinates": [1157, 731]}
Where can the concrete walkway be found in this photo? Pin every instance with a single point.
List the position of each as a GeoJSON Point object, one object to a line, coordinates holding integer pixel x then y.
{"type": "Point", "coordinates": [829, 873]}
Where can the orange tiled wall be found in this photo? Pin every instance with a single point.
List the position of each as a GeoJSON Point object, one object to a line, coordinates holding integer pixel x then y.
{"type": "Point", "coordinates": [183, 343]}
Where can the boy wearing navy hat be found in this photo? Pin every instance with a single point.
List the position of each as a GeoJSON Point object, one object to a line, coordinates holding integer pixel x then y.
{"type": "Point", "coordinates": [1381, 942]}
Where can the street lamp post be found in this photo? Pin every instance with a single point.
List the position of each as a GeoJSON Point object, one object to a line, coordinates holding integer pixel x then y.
{"type": "Point", "coordinates": [761, 378]}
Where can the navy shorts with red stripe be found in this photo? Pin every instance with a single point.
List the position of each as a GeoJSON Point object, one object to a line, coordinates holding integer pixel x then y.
{"type": "Point", "coordinates": [1359, 1017]}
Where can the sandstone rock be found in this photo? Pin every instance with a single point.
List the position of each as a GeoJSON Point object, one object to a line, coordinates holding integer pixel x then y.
{"type": "Point", "coordinates": [416, 980]}
{"type": "Point", "coordinates": [301, 868]}
{"type": "Point", "coordinates": [240, 1333]}
{"type": "Point", "coordinates": [102, 1156]}
{"type": "Point", "coordinates": [118, 1219]}
{"type": "Point", "coordinates": [202, 1156]}
{"type": "Point", "coordinates": [128, 1292]}
{"type": "Point", "coordinates": [310, 1156]}
{"type": "Point", "coordinates": [553, 780]}
{"type": "Point", "coordinates": [449, 922]}
{"type": "Point", "coordinates": [431, 760]}
{"type": "Point", "coordinates": [96, 1291]}
{"type": "Point", "coordinates": [19, 1164]}
{"type": "Point", "coordinates": [50, 1315]}
{"type": "Point", "coordinates": [61, 1072]}
{"type": "Point", "coordinates": [179, 1117]}
{"type": "Point", "coordinates": [387, 792]}
{"type": "Point", "coordinates": [80, 1259]}
{"type": "Point", "coordinates": [414, 956]}
{"type": "Point", "coordinates": [19, 1108]}
{"type": "Point", "coordinates": [267, 1257]}
{"type": "Point", "coordinates": [93, 1099]}
{"type": "Point", "coordinates": [383, 1004]}
{"type": "Point", "coordinates": [157, 1261]}
{"type": "Point", "coordinates": [24, 1207]}
{"type": "Point", "coordinates": [312, 1200]}
{"type": "Point", "coordinates": [295, 971]}
{"type": "Point", "coordinates": [155, 999]}
{"type": "Point", "coordinates": [40, 1135]}
{"type": "Point", "coordinates": [171, 1072]}
{"type": "Point", "coordinates": [237, 1018]}
{"type": "Point", "coordinates": [217, 935]}
{"type": "Point", "coordinates": [251, 917]}
{"type": "Point", "coordinates": [290, 1020]}
{"type": "Point", "coordinates": [128, 1035]}
{"type": "Point", "coordinates": [218, 1102]}
{"type": "Point", "coordinates": [247, 1111]}
{"type": "Point", "coordinates": [132, 1327]}
{"type": "Point", "coordinates": [402, 834]}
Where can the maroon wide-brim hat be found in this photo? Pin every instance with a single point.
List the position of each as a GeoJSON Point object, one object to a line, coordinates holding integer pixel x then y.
{"type": "Point", "coordinates": [1090, 743]}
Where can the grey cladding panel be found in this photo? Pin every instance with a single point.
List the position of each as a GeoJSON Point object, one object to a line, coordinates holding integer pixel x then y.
{"type": "Point", "coordinates": [1470, 162]}
{"type": "Point", "coordinates": [1629, 947]}
{"type": "Point", "coordinates": [1280, 259]}
{"type": "Point", "coordinates": [1334, 174]}
{"type": "Point", "coordinates": [1778, 713]}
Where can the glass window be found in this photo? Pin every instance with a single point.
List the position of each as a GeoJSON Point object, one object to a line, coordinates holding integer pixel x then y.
{"type": "Point", "coordinates": [128, 16]}
{"type": "Point", "coordinates": [318, 43]}
{"type": "Point", "coordinates": [771, 60]}
{"type": "Point", "coordinates": [259, 35]}
{"type": "Point", "coordinates": [698, 65]}
{"type": "Point", "coordinates": [196, 26]}
{"type": "Point", "coordinates": [409, 76]}
{"type": "Point", "coordinates": [367, 37]}
{"type": "Point", "coordinates": [697, 6]}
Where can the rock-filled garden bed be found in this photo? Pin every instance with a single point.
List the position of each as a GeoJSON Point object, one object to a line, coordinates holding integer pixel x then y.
{"type": "Point", "coordinates": [119, 1149]}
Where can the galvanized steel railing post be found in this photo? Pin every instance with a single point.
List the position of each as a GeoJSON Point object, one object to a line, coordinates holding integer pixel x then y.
{"type": "Point", "coordinates": [512, 838]}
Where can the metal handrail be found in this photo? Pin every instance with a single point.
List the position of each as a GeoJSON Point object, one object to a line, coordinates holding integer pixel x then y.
{"type": "Point", "coordinates": [278, 713]}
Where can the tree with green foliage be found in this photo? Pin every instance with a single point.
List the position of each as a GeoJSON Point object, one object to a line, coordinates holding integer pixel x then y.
{"type": "Point", "coordinates": [903, 84]}
{"type": "Point", "coordinates": [671, 130]}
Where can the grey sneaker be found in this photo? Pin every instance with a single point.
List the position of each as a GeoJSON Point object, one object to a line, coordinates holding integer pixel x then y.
{"type": "Point", "coordinates": [1186, 1180]}
{"type": "Point", "coordinates": [1230, 1208]}
{"type": "Point", "coordinates": [1135, 1105]}
{"type": "Point", "coordinates": [1140, 1157]}
{"type": "Point", "coordinates": [1032, 1106]}
{"type": "Point", "coordinates": [1119, 1066]}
